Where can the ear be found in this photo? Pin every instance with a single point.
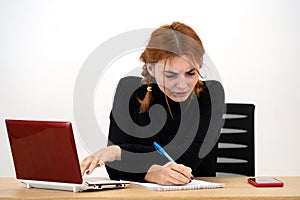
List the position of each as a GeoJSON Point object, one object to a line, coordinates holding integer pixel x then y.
{"type": "Point", "coordinates": [150, 69]}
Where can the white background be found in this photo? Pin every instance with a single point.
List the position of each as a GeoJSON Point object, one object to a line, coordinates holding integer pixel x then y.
{"type": "Point", "coordinates": [254, 44]}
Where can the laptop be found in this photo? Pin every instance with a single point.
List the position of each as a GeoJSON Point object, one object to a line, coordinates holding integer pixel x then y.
{"type": "Point", "coordinates": [45, 156]}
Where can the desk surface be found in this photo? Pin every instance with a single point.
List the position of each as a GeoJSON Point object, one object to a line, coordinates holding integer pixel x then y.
{"type": "Point", "coordinates": [235, 188]}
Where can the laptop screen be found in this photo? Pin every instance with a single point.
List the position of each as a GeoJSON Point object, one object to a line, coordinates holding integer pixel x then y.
{"type": "Point", "coordinates": [44, 151]}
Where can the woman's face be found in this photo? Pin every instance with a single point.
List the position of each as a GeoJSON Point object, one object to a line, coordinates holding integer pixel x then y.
{"type": "Point", "coordinates": [177, 75]}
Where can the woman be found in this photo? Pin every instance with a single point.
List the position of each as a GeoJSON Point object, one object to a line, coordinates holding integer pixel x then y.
{"type": "Point", "coordinates": [170, 106]}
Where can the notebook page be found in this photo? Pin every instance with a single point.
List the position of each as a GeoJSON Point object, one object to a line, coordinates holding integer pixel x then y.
{"type": "Point", "coordinates": [193, 185]}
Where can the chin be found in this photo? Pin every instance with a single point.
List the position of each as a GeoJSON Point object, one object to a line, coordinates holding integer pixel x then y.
{"type": "Point", "coordinates": [179, 99]}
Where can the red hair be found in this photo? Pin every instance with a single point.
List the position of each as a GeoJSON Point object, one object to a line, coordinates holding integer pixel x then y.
{"type": "Point", "coordinates": [166, 43]}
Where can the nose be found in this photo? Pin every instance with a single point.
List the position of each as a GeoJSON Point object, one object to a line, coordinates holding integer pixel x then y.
{"type": "Point", "coordinates": [181, 83]}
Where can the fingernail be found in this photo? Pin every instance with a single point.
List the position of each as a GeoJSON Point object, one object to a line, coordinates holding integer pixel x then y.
{"type": "Point", "coordinates": [192, 178]}
{"type": "Point", "coordinates": [99, 164]}
{"type": "Point", "coordinates": [87, 172]}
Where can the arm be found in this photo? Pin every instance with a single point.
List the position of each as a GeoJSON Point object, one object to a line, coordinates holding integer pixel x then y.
{"type": "Point", "coordinates": [122, 142]}
{"type": "Point", "coordinates": [203, 147]}
{"type": "Point", "coordinates": [137, 168]}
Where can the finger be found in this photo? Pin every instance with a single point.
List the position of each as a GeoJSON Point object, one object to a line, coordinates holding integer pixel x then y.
{"type": "Point", "coordinates": [185, 171]}
{"type": "Point", "coordinates": [167, 179]}
{"type": "Point", "coordinates": [178, 178]}
{"type": "Point", "coordinates": [100, 163]}
{"type": "Point", "coordinates": [92, 166]}
{"type": "Point", "coordinates": [175, 181]}
{"type": "Point", "coordinates": [173, 176]}
{"type": "Point", "coordinates": [84, 165]}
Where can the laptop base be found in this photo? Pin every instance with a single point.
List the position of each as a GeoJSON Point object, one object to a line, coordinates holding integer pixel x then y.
{"type": "Point", "coordinates": [90, 185]}
{"type": "Point", "coordinates": [54, 185]}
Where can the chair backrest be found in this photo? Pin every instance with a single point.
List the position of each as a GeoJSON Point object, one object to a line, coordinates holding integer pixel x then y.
{"type": "Point", "coordinates": [235, 155]}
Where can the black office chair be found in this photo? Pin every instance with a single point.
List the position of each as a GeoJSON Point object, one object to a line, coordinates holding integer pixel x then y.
{"type": "Point", "coordinates": [235, 155]}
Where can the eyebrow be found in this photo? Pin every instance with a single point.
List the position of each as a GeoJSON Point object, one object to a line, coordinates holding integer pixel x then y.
{"type": "Point", "coordinates": [172, 72]}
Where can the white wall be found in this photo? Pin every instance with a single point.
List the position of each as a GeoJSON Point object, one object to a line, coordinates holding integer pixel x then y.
{"type": "Point", "coordinates": [255, 45]}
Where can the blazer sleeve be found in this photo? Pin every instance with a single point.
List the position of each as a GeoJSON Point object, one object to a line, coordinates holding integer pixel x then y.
{"type": "Point", "coordinates": [199, 151]}
{"type": "Point", "coordinates": [211, 121]}
{"type": "Point", "coordinates": [135, 159]}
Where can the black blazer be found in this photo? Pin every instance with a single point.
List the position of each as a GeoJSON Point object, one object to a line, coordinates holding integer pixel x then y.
{"type": "Point", "coordinates": [189, 137]}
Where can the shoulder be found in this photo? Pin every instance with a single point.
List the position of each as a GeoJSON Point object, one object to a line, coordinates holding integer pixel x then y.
{"type": "Point", "coordinates": [130, 82]}
{"type": "Point", "coordinates": [130, 87]}
{"type": "Point", "coordinates": [213, 87]}
{"type": "Point", "coordinates": [213, 92]}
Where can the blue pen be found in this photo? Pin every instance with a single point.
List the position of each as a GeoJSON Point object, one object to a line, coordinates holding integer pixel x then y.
{"type": "Point", "coordinates": [163, 152]}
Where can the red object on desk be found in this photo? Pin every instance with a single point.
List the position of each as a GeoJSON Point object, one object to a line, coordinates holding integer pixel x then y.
{"type": "Point", "coordinates": [265, 182]}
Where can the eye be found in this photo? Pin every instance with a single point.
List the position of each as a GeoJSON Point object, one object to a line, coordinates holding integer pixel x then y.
{"type": "Point", "coordinates": [169, 76]}
{"type": "Point", "coordinates": [192, 73]}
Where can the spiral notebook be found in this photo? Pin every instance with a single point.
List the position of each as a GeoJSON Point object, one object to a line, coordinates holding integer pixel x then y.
{"type": "Point", "coordinates": [193, 185]}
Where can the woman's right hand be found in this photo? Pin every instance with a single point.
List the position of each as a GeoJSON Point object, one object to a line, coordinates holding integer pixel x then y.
{"type": "Point", "coordinates": [169, 174]}
{"type": "Point", "coordinates": [97, 159]}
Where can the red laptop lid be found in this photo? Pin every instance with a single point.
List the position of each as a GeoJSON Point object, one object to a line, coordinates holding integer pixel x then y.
{"type": "Point", "coordinates": [44, 151]}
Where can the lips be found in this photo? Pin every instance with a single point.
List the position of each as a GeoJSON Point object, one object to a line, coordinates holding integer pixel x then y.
{"type": "Point", "coordinates": [180, 94]}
